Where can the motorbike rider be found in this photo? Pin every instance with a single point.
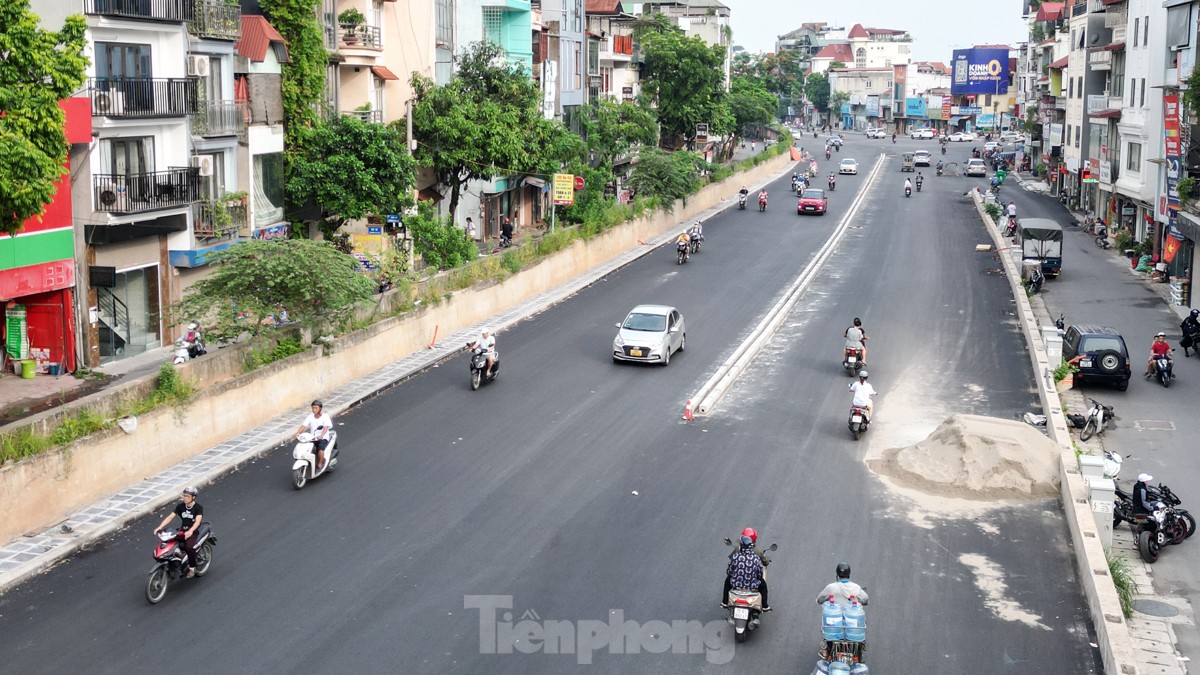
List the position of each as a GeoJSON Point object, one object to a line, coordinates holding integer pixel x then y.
{"type": "Point", "coordinates": [893, 137]}
{"type": "Point", "coordinates": [1012, 210]}
{"type": "Point", "coordinates": [762, 196]}
{"type": "Point", "coordinates": [862, 392]}
{"type": "Point", "coordinates": [1143, 504]}
{"type": "Point", "coordinates": [696, 232]}
{"type": "Point", "coordinates": [194, 340]}
{"type": "Point", "coordinates": [1158, 349]}
{"type": "Point", "coordinates": [1191, 332]}
{"type": "Point", "coordinates": [856, 338]}
{"type": "Point", "coordinates": [488, 342]}
{"type": "Point", "coordinates": [939, 168]}
{"type": "Point", "coordinates": [832, 179]}
{"type": "Point", "coordinates": [920, 180]}
{"type": "Point", "coordinates": [907, 185]}
{"type": "Point", "coordinates": [319, 424]}
{"type": "Point", "coordinates": [827, 153]}
{"type": "Point", "coordinates": [191, 515]}
{"type": "Point", "coordinates": [840, 591]}
{"type": "Point", "coordinates": [745, 571]}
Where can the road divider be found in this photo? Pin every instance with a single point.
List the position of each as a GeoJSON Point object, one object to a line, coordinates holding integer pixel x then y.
{"type": "Point", "coordinates": [711, 393]}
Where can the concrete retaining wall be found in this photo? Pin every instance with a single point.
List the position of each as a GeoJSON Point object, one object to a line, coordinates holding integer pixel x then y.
{"type": "Point", "coordinates": [40, 491]}
{"type": "Point", "coordinates": [1112, 632]}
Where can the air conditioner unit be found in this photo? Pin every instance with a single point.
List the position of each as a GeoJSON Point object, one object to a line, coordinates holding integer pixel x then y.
{"type": "Point", "coordinates": [204, 163]}
{"type": "Point", "coordinates": [197, 66]}
{"type": "Point", "coordinates": [108, 103]}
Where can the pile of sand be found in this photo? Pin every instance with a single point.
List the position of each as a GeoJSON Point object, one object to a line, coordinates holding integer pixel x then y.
{"type": "Point", "coordinates": [977, 458]}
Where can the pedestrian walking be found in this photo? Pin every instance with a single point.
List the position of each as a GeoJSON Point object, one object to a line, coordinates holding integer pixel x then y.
{"type": "Point", "coordinates": [474, 236]}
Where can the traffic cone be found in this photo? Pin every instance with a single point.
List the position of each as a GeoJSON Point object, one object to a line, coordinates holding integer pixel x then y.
{"type": "Point", "coordinates": [687, 411]}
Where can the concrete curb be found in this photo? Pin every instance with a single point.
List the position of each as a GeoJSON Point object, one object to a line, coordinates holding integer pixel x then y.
{"type": "Point", "coordinates": [1112, 632]}
{"type": "Point", "coordinates": [61, 545]}
{"type": "Point", "coordinates": [715, 388]}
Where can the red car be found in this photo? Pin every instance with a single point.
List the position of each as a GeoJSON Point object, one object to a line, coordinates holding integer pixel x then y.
{"type": "Point", "coordinates": [812, 200]}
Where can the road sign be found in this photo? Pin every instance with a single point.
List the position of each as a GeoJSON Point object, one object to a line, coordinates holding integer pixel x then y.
{"type": "Point", "coordinates": [578, 182]}
{"type": "Point", "coordinates": [702, 132]}
{"type": "Point", "coordinates": [564, 189]}
{"type": "Point", "coordinates": [393, 217]}
{"type": "Point", "coordinates": [374, 229]}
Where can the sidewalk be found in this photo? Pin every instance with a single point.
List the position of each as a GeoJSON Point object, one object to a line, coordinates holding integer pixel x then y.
{"type": "Point", "coordinates": [34, 552]}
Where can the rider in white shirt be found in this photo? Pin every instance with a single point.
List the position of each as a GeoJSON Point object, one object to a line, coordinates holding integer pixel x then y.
{"type": "Point", "coordinates": [488, 342]}
{"type": "Point", "coordinates": [319, 424]}
{"type": "Point", "coordinates": [863, 391]}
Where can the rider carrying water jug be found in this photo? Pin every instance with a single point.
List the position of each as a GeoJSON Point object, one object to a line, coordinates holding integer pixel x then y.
{"type": "Point", "coordinates": [841, 590]}
{"type": "Point", "coordinates": [319, 424]}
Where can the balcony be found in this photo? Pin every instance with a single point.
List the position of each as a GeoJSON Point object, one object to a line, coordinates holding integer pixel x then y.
{"type": "Point", "coordinates": [139, 192]}
{"type": "Point", "coordinates": [219, 118]}
{"type": "Point", "coordinates": [1079, 8]}
{"type": "Point", "coordinates": [216, 19]}
{"type": "Point", "coordinates": [213, 219]}
{"type": "Point", "coordinates": [1116, 16]}
{"type": "Point", "coordinates": [360, 36]}
{"type": "Point", "coordinates": [161, 11]}
{"type": "Point", "coordinates": [368, 116]}
{"type": "Point", "coordinates": [122, 98]}
{"type": "Point", "coordinates": [1101, 60]}
{"type": "Point", "coordinates": [616, 48]}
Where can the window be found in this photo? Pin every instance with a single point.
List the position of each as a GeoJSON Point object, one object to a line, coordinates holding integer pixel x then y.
{"type": "Point", "coordinates": [267, 200]}
{"type": "Point", "coordinates": [1079, 87]}
{"type": "Point", "coordinates": [132, 155]}
{"type": "Point", "coordinates": [1133, 158]}
{"type": "Point", "coordinates": [1132, 91]}
{"type": "Point", "coordinates": [1117, 80]}
{"type": "Point", "coordinates": [860, 58]}
{"type": "Point", "coordinates": [1146, 32]}
{"type": "Point", "coordinates": [1068, 134]}
{"type": "Point", "coordinates": [1137, 25]}
{"type": "Point", "coordinates": [1143, 98]}
{"type": "Point", "coordinates": [578, 56]}
{"type": "Point", "coordinates": [214, 186]}
{"type": "Point", "coordinates": [1078, 133]}
{"type": "Point", "coordinates": [493, 25]}
{"type": "Point", "coordinates": [443, 31]}
{"type": "Point", "coordinates": [1073, 40]}
{"type": "Point", "coordinates": [1070, 88]}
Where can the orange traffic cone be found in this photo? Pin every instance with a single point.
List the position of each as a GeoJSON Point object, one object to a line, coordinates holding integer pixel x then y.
{"type": "Point", "coordinates": [687, 411]}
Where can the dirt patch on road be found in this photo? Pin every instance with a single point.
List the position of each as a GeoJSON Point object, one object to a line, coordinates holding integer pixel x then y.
{"type": "Point", "coordinates": [978, 458]}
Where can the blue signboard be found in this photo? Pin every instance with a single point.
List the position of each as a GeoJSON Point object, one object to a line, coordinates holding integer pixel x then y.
{"type": "Point", "coordinates": [914, 107]}
{"type": "Point", "coordinates": [374, 229]}
{"type": "Point", "coordinates": [969, 109]}
{"type": "Point", "coordinates": [979, 71]}
{"type": "Point", "coordinates": [393, 217]}
{"type": "Point", "coordinates": [985, 120]}
{"type": "Point", "coordinates": [845, 109]}
{"type": "Point", "coordinates": [872, 106]}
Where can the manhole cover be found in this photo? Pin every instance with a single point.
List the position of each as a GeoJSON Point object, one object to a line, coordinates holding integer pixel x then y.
{"type": "Point", "coordinates": [1154, 425]}
{"type": "Point", "coordinates": [1154, 608]}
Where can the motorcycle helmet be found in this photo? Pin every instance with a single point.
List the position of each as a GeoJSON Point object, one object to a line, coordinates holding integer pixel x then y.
{"type": "Point", "coordinates": [193, 325]}
{"type": "Point", "coordinates": [318, 403]}
{"type": "Point", "coordinates": [751, 534]}
{"type": "Point", "coordinates": [1160, 334]}
{"type": "Point", "coordinates": [1145, 478]}
{"type": "Point", "coordinates": [843, 570]}
{"type": "Point", "coordinates": [1195, 313]}
{"type": "Point", "coordinates": [862, 374]}
{"type": "Point", "coordinates": [189, 490]}
{"type": "Point", "coordinates": [857, 321]}
{"type": "Point", "coordinates": [485, 331]}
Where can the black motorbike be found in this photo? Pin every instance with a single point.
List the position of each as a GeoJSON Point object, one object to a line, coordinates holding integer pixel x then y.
{"type": "Point", "coordinates": [1190, 341]}
{"type": "Point", "coordinates": [1165, 525]}
{"type": "Point", "coordinates": [832, 185]}
{"type": "Point", "coordinates": [170, 560]}
{"type": "Point", "coordinates": [1163, 367]}
{"type": "Point", "coordinates": [919, 183]}
{"type": "Point", "coordinates": [694, 240]}
{"type": "Point", "coordinates": [682, 250]}
{"type": "Point", "coordinates": [742, 202]}
{"type": "Point", "coordinates": [479, 365]}
{"type": "Point", "coordinates": [1036, 279]}
{"type": "Point", "coordinates": [1101, 231]}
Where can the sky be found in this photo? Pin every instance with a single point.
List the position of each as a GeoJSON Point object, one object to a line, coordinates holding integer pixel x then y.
{"type": "Point", "coordinates": [938, 27]}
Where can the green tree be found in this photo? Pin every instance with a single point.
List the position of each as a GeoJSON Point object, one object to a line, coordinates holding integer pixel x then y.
{"type": "Point", "coordinates": [440, 243]}
{"type": "Point", "coordinates": [683, 78]}
{"type": "Point", "coordinates": [351, 168]}
{"type": "Point", "coordinates": [486, 121]}
{"type": "Point", "coordinates": [817, 91]}
{"type": "Point", "coordinates": [38, 68]}
{"type": "Point", "coordinates": [303, 85]}
{"type": "Point", "coordinates": [667, 176]}
{"type": "Point", "coordinates": [612, 129]}
{"type": "Point", "coordinates": [751, 103]}
{"type": "Point", "coordinates": [316, 284]}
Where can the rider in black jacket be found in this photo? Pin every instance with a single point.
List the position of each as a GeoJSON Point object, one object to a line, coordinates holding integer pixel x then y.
{"type": "Point", "coordinates": [1142, 503]}
{"type": "Point", "coordinates": [1191, 332]}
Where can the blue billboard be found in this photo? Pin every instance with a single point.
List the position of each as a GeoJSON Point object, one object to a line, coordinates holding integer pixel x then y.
{"type": "Point", "coordinates": [872, 106]}
{"type": "Point", "coordinates": [914, 107]}
{"type": "Point", "coordinates": [979, 71]}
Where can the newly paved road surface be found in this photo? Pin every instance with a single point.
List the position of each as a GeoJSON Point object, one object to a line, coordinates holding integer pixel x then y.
{"type": "Point", "coordinates": [564, 514]}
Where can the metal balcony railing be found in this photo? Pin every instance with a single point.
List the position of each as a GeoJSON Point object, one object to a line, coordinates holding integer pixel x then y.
{"type": "Point", "coordinates": [216, 19]}
{"type": "Point", "coordinates": [168, 11]}
{"type": "Point", "coordinates": [219, 118]}
{"type": "Point", "coordinates": [137, 192]}
{"type": "Point", "coordinates": [217, 219]}
{"type": "Point", "coordinates": [142, 97]}
{"type": "Point", "coordinates": [1079, 8]}
{"type": "Point", "coordinates": [360, 35]}
{"type": "Point", "coordinates": [370, 116]}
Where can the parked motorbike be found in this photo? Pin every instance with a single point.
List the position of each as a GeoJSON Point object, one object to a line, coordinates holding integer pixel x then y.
{"type": "Point", "coordinates": [1163, 368]}
{"type": "Point", "coordinates": [859, 420]}
{"type": "Point", "coordinates": [479, 362]}
{"type": "Point", "coordinates": [1099, 417]}
{"type": "Point", "coordinates": [1164, 526]}
{"type": "Point", "coordinates": [1036, 279]}
{"type": "Point", "coordinates": [852, 361]}
{"type": "Point", "coordinates": [171, 562]}
{"type": "Point", "coordinates": [1061, 322]}
{"type": "Point", "coordinates": [745, 607]}
{"type": "Point", "coordinates": [305, 467]}
{"type": "Point", "coordinates": [1101, 231]}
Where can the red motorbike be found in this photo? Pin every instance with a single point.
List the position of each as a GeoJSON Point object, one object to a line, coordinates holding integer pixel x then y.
{"type": "Point", "coordinates": [171, 561]}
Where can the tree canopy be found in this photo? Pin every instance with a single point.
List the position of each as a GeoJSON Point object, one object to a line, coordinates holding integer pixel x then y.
{"type": "Point", "coordinates": [817, 90]}
{"type": "Point", "coordinates": [352, 168]}
{"type": "Point", "coordinates": [751, 103]}
{"type": "Point", "coordinates": [486, 121]}
{"type": "Point", "coordinates": [38, 68]}
{"type": "Point", "coordinates": [314, 282]}
{"type": "Point", "coordinates": [684, 79]}
{"type": "Point", "coordinates": [613, 128]}
{"type": "Point", "coordinates": [779, 74]}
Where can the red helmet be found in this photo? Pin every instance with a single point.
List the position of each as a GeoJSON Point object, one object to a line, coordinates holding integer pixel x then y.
{"type": "Point", "coordinates": [749, 532]}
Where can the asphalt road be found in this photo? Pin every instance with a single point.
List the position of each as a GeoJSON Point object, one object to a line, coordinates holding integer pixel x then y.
{"type": "Point", "coordinates": [1155, 426]}
{"type": "Point", "coordinates": [566, 499]}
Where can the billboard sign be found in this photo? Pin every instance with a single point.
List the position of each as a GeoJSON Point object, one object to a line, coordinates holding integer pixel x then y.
{"type": "Point", "coordinates": [1172, 152]}
{"type": "Point", "coordinates": [872, 106]}
{"type": "Point", "coordinates": [979, 71]}
{"type": "Point", "coordinates": [564, 189]}
{"type": "Point", "coordinates": [914, 107]}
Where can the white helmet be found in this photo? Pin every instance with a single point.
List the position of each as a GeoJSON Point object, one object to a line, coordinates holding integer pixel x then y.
{"type": "Point", "coordinates": [485, 330]}
{"type": "Point", "coordinates": [862, 374]}
{"type": "Point", "coordinates": [1145, 478]}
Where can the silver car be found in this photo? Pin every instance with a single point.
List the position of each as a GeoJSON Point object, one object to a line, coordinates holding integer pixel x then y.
{"type": "Point", "coordinates": [650, 333]}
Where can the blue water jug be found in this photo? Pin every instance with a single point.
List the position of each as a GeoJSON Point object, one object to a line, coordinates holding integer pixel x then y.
{"type": "Point", "coordinates": [860, 669]}
{"type": "Point", "coordinates": [855, 621]}
{"type": "Point", "coordinates": [838, 668]}
{"type": "Point", "coordinates": [833, 625]}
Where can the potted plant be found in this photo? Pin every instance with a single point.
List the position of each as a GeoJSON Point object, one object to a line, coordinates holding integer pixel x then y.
{"type": "Point", "coordinates": [350, 20]}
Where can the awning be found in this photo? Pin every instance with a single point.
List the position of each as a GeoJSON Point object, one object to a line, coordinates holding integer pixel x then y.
{"type": "Point", "coordinates": [534, 182]}
{"type": "Point", "coordinates": [1114, 47]}
{"type": "Point", "coordinates": [384, 73]}
{"type": "Point", "coordinates": [1061, 63]}
{"type": "Point", "coordinates": [1105, 114]}
{"type": "Point", "coordinates": [955, 119]}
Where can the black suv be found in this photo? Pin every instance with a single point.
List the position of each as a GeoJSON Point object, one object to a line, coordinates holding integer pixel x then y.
{"type": "Point", "coordinates": [1105, 357]}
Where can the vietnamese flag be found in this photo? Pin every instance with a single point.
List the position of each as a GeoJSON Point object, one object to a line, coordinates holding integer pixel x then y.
{"type": "Point", "coordinates": [1170, 248]}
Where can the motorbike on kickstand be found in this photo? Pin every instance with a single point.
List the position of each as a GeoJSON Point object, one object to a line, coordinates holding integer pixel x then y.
{"type": "Point", "coordinates": [1099, 417]}
{"type": "Point", "coordinates": [746, 607]}
{"type": "Point", "coordinates": [171, 561]}
{"type": "Point", "coordinates": [305, 467]}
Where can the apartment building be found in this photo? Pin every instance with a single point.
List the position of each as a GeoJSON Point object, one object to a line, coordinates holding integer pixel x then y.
{"type": "Point", "coordinates": [258, 72]}
{"type": "Point", "coordinates": [706, 19]}
{"type": "Point", "coordinates": [866, 48]}
{"type": "Point", "coordinates": [610, 34]}
{"type": "Point", "coordinates": [870, 95]}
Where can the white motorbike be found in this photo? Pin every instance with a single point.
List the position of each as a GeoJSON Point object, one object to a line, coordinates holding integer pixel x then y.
{"type": "Point", "coordinates": [190, 346]}
{"type": "Point", "coordinates": [305, 467]}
